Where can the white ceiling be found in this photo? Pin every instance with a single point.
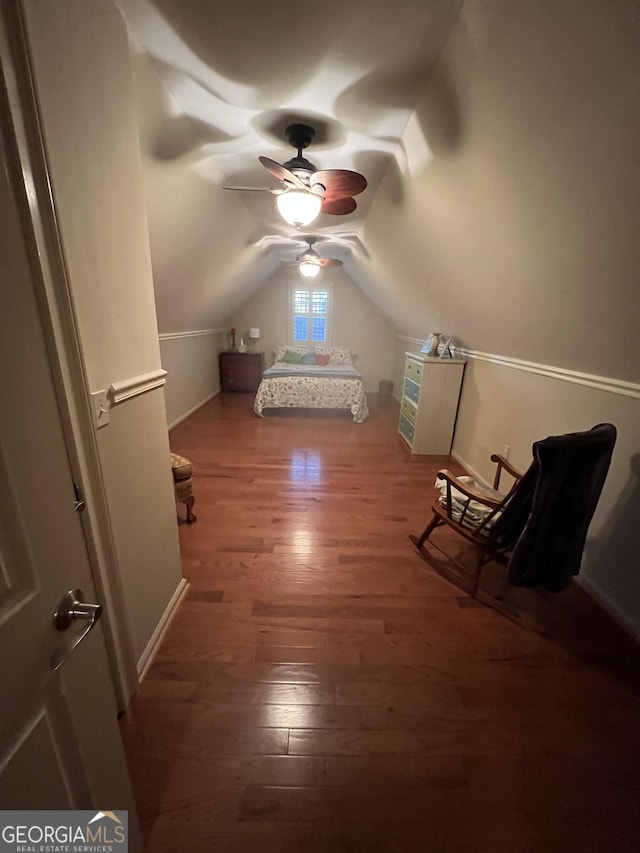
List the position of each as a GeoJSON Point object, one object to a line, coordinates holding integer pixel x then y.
{"type": "Point", "coordinates": [242, 71]}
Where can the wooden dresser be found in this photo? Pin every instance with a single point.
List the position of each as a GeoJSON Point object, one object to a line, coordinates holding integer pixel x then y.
{"type": "Point", "coordinates": [241, 371]}
{"type": "Point", "coordinates": [429, 404]}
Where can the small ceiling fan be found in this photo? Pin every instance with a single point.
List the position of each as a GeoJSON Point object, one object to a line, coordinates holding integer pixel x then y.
{"type": "Point", "coordinates": [310, 263]}
{"type": "Point", "coordinates": [307, 191]}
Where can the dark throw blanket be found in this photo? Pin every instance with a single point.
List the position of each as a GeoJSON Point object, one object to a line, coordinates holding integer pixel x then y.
{"type": "Point", "coordinates": [548, 517]}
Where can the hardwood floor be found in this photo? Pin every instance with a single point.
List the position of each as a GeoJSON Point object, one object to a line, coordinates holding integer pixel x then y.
{"type": "Point", "coordinates": [322, 689]}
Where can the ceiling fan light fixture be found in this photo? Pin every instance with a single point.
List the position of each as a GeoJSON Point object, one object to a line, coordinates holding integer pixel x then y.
{"type": "Point", "coordinates": [299, 207]}
{"type": "Point", "coordinates": [308, 269]}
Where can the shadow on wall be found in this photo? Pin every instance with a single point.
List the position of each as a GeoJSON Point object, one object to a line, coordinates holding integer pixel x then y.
{"type": "Point", "coordinates": [394, 182]}
{"type": "Point", "coordinates": [376, 91]}
{"type": "Point", "coordinates": [180, 137]}
{"type": "Point", "coordinates": [214, 39]}
{"type": "Point", "coordinates": [434, 131]}
{"type": "Point", "coordinates": [438, 114]}
{"type": "Point", "coordinates": [614, 552]}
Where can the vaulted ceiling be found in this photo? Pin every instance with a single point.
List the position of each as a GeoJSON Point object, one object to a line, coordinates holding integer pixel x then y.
{"type": "Point", "coordinates": [242, 71]}
{"type": "Point", "coordinates": [498, 139]}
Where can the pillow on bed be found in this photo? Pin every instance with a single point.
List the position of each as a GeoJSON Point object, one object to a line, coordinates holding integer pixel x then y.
{"type": "Point", "coordinates": [321, 359]}
{"type": "Point", "coordinates": [291, 357]}
{"type": "Point", "coordinates": [308, 358]}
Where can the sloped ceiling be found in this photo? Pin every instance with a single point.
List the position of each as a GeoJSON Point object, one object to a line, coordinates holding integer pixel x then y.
{"type": "Point", "coordinates": [515, 192]}
{"type": "Point", "coordinates": [217, 85]}
{"type": "Point", "coordinates": [499, 140]}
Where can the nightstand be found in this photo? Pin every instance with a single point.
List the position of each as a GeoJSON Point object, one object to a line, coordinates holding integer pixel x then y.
{"type": "Point", "coordinates": [241, 371]}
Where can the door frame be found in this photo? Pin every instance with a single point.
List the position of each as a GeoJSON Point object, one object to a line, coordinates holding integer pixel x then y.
{"type": "Point", "coordinates": [32, 185]}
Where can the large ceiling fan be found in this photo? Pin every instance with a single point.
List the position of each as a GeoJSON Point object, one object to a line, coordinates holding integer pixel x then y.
{"type": "Point", "coordinates": [307, 191]}
{"type": "Point", "coordinates": [310, 263]}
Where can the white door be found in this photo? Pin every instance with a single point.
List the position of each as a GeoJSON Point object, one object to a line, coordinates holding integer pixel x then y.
{"type": "Point", "coordinates": [60, 746]}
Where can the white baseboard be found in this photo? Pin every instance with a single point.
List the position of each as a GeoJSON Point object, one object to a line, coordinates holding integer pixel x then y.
{"type": "Point", "coordinates": [193, 409]}
{"type": "Point", "coordinates": [470, 470]}
{"type": "Point", "coordinates": [156, 638]}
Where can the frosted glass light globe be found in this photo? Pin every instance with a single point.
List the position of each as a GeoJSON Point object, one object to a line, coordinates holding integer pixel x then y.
{"type": "Point", "coordinates": [309, 270]}
{"type": "Point", "coordinates": [298, 207]}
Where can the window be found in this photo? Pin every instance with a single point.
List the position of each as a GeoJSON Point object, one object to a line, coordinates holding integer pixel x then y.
{"type": "Point", "coordinates": [310, 314]}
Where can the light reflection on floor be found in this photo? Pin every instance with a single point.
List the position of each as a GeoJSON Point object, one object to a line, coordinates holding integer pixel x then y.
{"type": "Point", "coordinates": [306, 470]}
{"type": "Point", "coordinates": [306, 467]}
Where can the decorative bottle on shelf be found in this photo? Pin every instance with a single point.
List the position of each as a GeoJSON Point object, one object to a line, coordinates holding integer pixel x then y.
{"type": "Point", "coordinates": [233, 340]}
{"type": "Point", "coordinates": [435, 343]}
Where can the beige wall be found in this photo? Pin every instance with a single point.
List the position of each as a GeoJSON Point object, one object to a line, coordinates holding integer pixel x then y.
{"type": "Point", "coordinates": [191, 360]}
{"type": "Point", "coordinates": [510, 217]}
{"type": "Point", "coordinates": [81, 65]}
{"type": "Point", "coordinates": [356, 322]}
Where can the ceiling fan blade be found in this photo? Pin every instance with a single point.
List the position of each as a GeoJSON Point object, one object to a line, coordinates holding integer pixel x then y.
{"type": "Point", "coordinates": [330, 262]}
{"type": "Point", "coordinates": [282, 173]}
{"type": "Point", "coordinates": [339, 206]}
{"type": "Point", "coordinates": [254, 189]}
{"type": "Point", "coordinates": [339, 183]}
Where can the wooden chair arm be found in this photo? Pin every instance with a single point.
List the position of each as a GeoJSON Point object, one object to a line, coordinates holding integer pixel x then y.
{"type": "Point", "coordinates": [467, 490]}
{"type": "Point", "coordinates": [503, 463]}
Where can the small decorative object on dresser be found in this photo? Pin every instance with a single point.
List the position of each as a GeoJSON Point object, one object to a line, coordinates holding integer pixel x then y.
{"type": "Point", "coordinates": [254, 335]}
{"type": "Point", "coordinates": [430, 346]}
{"type": "Point", "coordinates": [430, 394]}
{"type": "Point", "coordinates": [435, 343]}
{"type": "Point", "coordinates": [447, 349]}
{"type": "Point", "coordinates": [438, 345]}
{"type": "Point", "coordinates": [241, 371]}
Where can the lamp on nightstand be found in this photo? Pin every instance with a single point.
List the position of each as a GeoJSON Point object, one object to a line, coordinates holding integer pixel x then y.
{"type": "Point", "coordinates": [254, 335]}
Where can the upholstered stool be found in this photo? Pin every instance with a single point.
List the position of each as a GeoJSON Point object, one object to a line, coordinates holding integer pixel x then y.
{"type": "Point", "coordinates": [182, 486]}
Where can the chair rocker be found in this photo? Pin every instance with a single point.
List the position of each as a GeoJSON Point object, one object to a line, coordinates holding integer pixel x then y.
{"type": "Point", "coordinates": [456, 509]}
{"type": "Point", "coordinates": [539, 527]}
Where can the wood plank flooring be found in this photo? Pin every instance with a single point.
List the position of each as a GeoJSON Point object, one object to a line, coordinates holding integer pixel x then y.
{"type": "Point", "coordinates": [322, 689]}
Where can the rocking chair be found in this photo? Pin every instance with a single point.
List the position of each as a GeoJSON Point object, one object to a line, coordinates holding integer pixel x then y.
{"type": "Point", "coordinates": [539, 528]}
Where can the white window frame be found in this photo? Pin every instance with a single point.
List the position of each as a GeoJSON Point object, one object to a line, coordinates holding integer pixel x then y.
{"type": "Point", "coordinates": [326, 287]}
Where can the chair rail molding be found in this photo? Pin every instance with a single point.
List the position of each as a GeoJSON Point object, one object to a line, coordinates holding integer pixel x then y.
{"type": "Point", "coordinates": [128, 388]}
{"type": "Point", "coordinates": [601, 383]}
{"type": "Point", "coordinates": [170, 336]}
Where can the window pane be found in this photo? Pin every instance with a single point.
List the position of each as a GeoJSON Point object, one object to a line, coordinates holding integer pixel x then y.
{"type": "Point", "coordinates": [301, 302]}
{"type": "Point", "coordinates": [309, 314]}
{"type": "Point", "coordinates": [300, 329]}
{"type": "Point", "coordinates": [320, 301]}
{"type": "Point", "coordinates": [319, 329]}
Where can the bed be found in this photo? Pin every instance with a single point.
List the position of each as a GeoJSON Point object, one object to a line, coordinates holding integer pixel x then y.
{"type": "Point", "coordinates": [325, 379]}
